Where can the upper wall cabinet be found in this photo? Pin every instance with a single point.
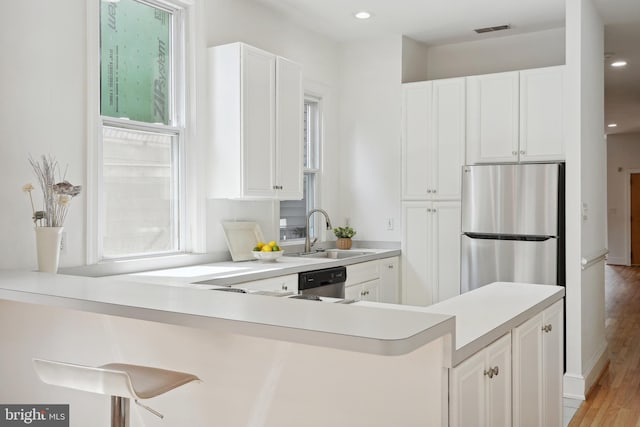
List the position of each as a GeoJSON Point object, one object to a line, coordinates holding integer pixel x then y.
{"type": "Point", "coordinates": [516, 116]}
{"type": "Point", "coordinates": [433, 139]}
{"type": "Point", "coordinates": [257, 105]}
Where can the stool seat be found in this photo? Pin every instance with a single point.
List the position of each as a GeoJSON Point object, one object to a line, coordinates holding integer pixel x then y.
{"type": "Point", "coordinates": [115, 379]}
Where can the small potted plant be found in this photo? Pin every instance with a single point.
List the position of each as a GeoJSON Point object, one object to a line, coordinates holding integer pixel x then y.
{"type": "Point", "coordinates": [344, 235]}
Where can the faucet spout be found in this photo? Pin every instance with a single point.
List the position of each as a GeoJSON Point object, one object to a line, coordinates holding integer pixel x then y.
{"type": "Point", "coordinates": [307, 240]}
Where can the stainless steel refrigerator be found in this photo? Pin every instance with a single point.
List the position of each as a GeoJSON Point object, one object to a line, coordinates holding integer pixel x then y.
{"type": "Point", "coordinates": [512, 224]}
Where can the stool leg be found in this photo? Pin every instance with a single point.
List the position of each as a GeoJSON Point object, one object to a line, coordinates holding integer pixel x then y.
{"type": "Point", "coordinates": [119, 411]}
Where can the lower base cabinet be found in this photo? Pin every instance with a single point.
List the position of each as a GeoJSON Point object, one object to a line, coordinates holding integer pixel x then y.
{"type": "Point", "coordinates": [538, 368]}
{"type": "Point", "coordinates": [480, 387]}
{"type": "Point", "coordinates": [515, 381]}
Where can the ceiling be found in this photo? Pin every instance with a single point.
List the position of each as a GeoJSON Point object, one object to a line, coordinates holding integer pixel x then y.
{"type": "Point", "coordinates": [437, 22]}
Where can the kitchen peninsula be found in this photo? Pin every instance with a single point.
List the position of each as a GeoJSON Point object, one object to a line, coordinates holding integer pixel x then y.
{"type": "Point", "coordinates": [263, 360]}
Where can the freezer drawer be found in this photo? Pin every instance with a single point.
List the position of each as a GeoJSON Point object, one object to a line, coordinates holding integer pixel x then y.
{"type": "Point", "coordinates": [510, 199]}
{"type": "Point", "coordinates": [486, 261]}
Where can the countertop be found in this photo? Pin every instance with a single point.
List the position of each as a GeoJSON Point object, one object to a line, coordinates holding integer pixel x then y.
{"type": "Point", "coordinates": [487, 313]}
{"type": "Point", "coordinates": [232, 273]}
{"type": "Point", "coordinates": [347, 327]}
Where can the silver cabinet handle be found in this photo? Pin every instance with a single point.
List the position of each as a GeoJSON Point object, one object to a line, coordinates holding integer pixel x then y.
{"type": "Point", "coordinates": [433, 191]}
{"type": "Point", "coordinates": [491, 372]}
{"type": "Point", "coordinates": [547, 328]}
{"type": "Point", "coordinates": [390, 266]}
{"type": "Point", "coordinates": [514, 153]}
{"type": "Point", "coordinates": [522, 152]}
{"type": "Point", "coordinates": [428, 209]}
{"type": "Point", "coordinates": [285, 287]}
{"type": "Point", "coordinates": [428, 191]}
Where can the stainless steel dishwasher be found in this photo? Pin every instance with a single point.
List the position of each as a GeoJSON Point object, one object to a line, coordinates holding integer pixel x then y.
{"type": "Point", "coordinates": [328, 282]}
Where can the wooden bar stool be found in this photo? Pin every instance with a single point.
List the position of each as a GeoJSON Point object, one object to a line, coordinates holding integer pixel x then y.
{"type": "Point", "coordinates": [119, 380]}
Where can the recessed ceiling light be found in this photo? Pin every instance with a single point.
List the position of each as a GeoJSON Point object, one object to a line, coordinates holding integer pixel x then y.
{"type": "Point", "coordinates": [363, 15]}
{"type": "Point", "coordinates": [619, 63]}
{"type": "Point", "coordinates": [612, 125]}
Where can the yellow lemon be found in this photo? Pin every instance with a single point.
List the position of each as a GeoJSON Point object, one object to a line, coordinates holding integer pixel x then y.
{"type": "Point", "coordinates": [260, 245]}
{"type": "Point", "coordinates": [272, 243]}
{"type": "Point", "coordinates": [266, 248]}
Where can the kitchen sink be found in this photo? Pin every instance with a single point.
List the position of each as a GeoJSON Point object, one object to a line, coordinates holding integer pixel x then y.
{"type": "Point", "coordinates": [331, 254]}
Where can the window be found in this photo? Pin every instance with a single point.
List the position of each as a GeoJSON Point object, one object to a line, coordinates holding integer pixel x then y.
{"type": "Point", "coordinates": [293, 212]}
{"type": "Point", "coordinates": [142, 135]}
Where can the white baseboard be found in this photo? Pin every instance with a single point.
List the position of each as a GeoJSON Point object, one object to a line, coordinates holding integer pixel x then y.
{"type": "Point", "coordinates": [616, 261]}
{"type": "Point", "coordinates": [578, 386]}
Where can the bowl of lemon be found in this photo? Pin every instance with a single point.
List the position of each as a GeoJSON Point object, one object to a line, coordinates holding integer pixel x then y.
{"type": "Point", "coordinates": [267, 252]}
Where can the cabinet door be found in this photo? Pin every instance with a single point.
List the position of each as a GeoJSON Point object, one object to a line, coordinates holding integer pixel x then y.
{"type": "Point", "coordinates": [289, 141]}
{"type": "Point", "coordinates": [416, 131]}
{"type": "Point", "coordinates": [492, 118]}
{"type": "Point", "coordinates": [448, 138]}
{"type": "Point", "coordinates": [389, 280]}
{"type": "Point", "coordinates": [467, 392]}
{"type": "Point", "coordinates": [280, 283]}
{"type": "Point", "coordinates": [527, 373]}
{"type": "Point", "coordinates": [445, 255]}
{"type": "Point", "coordinates": [498, 359]}
{"type": "Point", "coordinates": [258, 122]}
{"type": "Point", "coordinates": [353, 292]}
{"type": "Point", "coordinates": [542, 114]}
{"type": "Point", "coordinates": [416, 248]}
{"type": "Point", "coordinates": [362, 272]}
{"type": "Point", "coordinates": [552, 363]}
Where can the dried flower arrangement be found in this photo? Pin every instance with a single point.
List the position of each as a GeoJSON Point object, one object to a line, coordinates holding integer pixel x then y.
{"type": "Point", "coordinates": [57, 196]}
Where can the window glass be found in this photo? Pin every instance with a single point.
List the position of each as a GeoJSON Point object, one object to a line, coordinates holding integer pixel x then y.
{"type": "Point", "coordinates": [139, 180]}
{"type": "Point", "coordinates": [142, 209]}
{"type": "Point", "coordinates": [293, 212]}
{"type": "Point", "coordinates": [135, 58]}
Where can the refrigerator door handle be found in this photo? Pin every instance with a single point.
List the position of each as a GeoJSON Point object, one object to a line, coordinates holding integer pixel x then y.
{"type": "Point", "coordinates": [508, 237]}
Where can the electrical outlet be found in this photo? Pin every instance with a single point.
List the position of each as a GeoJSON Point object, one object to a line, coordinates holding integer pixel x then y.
{"type": "Point", "coordinates": [63, 243]}
{"type": "Point", "coordinates": [389, 223]}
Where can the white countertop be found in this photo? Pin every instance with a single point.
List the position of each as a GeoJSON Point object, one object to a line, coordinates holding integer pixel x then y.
{"type": "Point", "coordinates": [232, 273]}
{"type": "Point", "coordinates": [348, 327]}
{"type": "Point", "coordinates": [489, 312]}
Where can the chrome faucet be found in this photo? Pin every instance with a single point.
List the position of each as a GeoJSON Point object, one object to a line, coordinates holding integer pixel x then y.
{"type": "Point", "coordinates": [307, 241]}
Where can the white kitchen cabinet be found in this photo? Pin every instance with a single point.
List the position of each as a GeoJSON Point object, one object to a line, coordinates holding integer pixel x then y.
{"type": "Point", "coordinates": [538, 369]}
{"type": "Point", "coordinates": [431, 252]}
{"type": "Point", "coordinates": [542, 114]}
{"type": "Point", "coordinates": [367, 291]}
{"type": "Point", "coordinates": [516, 116]}
{"type": "Point", "coordinates": [433, 139]}
{"type": "Point", "coordinates": [389, 280]}
{"type": "Point", "coordinates": [280, 283]}
{"type": "Point", "coordinates": [362, 272]}
{"type": "Point", "coordinates": [480, 387]}
{"type": "Point", "coordinates": [492, 118]}
{"type": "Point", "coordinates": [257, 105]}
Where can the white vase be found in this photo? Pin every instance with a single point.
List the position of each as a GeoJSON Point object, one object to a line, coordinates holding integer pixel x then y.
{"type": "Point", "coordinates": [48, 245]}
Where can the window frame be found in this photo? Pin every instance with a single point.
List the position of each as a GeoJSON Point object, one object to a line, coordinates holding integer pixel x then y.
{"type": "Point", "coordinates": [310, 96]}
{"type": "Point", "coordinates": [183, 60]}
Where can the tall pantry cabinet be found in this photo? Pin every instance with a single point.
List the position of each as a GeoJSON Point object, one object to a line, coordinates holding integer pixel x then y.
{"type": "Point", "coordinates": [433, 151]}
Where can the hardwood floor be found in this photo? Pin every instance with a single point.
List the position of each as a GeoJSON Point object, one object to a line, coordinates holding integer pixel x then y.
{"type": "Point", "coordinates": [615, 399]}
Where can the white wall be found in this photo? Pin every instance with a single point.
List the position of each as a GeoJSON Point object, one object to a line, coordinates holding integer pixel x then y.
{"type": "Point", "coordinates": [414, 60]}
{"type": "Point", "coordinates": [623, 155]}
{"type": "Point", "coordinates": [42, 112]}
{"type": "Point", "coordinates": [586, 180]}
{"type": "Point", "coordinates": [370, 106]}
{"type": "Point", "coordinates": [496, 54]}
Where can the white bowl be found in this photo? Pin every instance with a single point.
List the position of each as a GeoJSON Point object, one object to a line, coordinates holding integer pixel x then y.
{"type": "Point", "coordinates": [267, 256]}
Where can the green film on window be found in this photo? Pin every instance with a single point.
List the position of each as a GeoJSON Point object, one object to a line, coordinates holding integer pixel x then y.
{"type": "Point", "coordinates": [135, 61]}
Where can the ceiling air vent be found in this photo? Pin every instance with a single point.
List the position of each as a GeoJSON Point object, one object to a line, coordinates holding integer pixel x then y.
{"type": "Point", "coordinates": [491, 29]}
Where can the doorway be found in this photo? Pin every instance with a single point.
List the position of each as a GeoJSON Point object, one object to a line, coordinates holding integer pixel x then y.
{"type": "Point", "coordinates": [635, 218]}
